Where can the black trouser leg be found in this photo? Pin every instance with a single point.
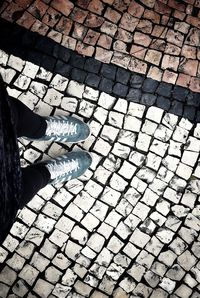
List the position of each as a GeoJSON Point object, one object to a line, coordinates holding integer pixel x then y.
{"type": "Point", "coordinates": [28, 124]}
{"type": "Point", "coordinates": [34, 178]}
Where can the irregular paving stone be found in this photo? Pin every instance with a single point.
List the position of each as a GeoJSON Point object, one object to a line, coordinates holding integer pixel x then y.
{"type": "Point", "coordinates": [169, 158]}
{"type": "Point", "coordinates": [120, 90]}
{"type": "Point", "coordinates": [92, 65]}
{"type": "Point", "coordinates": [148, 99]}
{"type": "Point", "coordinates": [106, 85]}
{"type": "Point", "coordinates": [164, 89]}
{"type": "Point", "coordinates": [122, 76]}
{"type": "Point", "coordinates": [92, 80]}
{"type": "Point", "coordinates": [108, 71]}
{"type": "Point", "coordinates": [163, 103]}
{"type": "Point", "coordinates": [149, 85]}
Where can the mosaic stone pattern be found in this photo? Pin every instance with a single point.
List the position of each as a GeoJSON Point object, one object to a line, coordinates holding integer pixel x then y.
{"type": "Point", "coordinates": [108, 78]}
{"type": "Point", "coordinates": [130, 226]}
{"type": "Point", "coordinates": [157, 38]}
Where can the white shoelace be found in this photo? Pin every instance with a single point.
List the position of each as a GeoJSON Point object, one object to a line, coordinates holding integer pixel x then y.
{"type": "Point", "coordinates": [61, 128]}
{"type": "Point", "coordinates": [62, 168]}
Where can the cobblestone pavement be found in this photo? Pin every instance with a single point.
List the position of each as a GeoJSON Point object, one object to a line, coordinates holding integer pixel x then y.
{"type": "Point", "coordinates": [130, 226]}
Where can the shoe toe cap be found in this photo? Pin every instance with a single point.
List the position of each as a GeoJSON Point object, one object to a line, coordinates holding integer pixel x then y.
{"type": "Point", "coordinates": [87, 158]}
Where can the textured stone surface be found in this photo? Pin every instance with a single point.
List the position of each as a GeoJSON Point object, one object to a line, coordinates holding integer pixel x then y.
{"type": "Point", "coordinates": [163, 33]}
{"type": "Point", "coordinates": [130, 226]}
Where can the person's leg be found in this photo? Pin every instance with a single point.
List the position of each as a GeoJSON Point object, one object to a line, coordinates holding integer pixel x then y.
{"type": "Point", "coordinates": [28, 124]}
{"type": "Point", "coordinates": [34, 178]}
{"type": "Point", "coordinates": [58, 170]}
{"type": "Point", "coordinates": [51, 128]}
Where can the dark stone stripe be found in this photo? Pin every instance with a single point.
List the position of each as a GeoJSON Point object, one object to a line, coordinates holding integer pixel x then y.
{"type": "Point", "coordinates": [109, 78]}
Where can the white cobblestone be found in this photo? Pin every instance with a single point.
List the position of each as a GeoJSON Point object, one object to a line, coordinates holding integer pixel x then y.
{"type": "Point", "coordinates": [159, 147]}
{"type": "Point", "coordinates": [100, 114]}
{"type": "Point", "coordinates": [109, 133]}
{"type": "Point", "coordinates": [39, 262]}
{"type": "Point", "coordinates": [138, 184]}
{"type": "Point", "coordinates": [153, 161]}
{"type": "Point", "coordinates": [185, 123]}
{"type": "Point", "coordinates": [15, 62]}
{"type": "Point", "coordinates": [155, 114]}
{"type": "Point", "coordinates": [59, 82]}
{"type": "Point", "coordinates": [121, 105]}
{"type": "Point", "coordinates": [86, 108]}
{"type": "Point", "coordinates": [118, 183]}
{"type": "Point", "coordinates": [44, 74]}
{"type": "Point", "coordinates": [127, 137]}
{"type": "Point", "coordinates": [168, 284]}
{"type": "Point", "coordinates": [149, 127]}
{"type": "Point", "coordinates": [81, 237]}
{"type": "Point", "coordinates": [75, 89]}
{"type": "Point", "coordinates": [3, 58]}
{"type": "Point", "coordinates": [110, 196]}
{"type": "Point", "coordinates": [43, 288]}
{"type": "Point", "coordinates": [96, 242]}
{"type": "Point", "coordinates": [44, 223]}
{"type": "Point", "coordinates": [136, 109]}
{"type": "Point", "coordinates": [145, 259]}
{"type": "Point", "coordinates": [189, 158]}
{"type": "Point", "coordinates": [53, 97]}
{"type": "Point", "coordinates": [102, 147]}
{"type": "Point", "coordinates": [30, 69]}
{"type": "Point", "coordinates": [29, 274]}
{"type": "Point", "coordinates": [115, 119]}
{"type": "Point", "coordinates": [69, 104]}
{"type": "Point", "coordinates": [123, 230]}
{"type": "Point", "coordinates": [7, 74]}
{"type": "Point", "coordinates": [106, 101]}
{"type": "Point", "coordinates": [132, 123]}
{"type": "Point", "coordinates": [165, 235]}
{"type": "Point", "coordinates": [22, 82]}
{"type": "Point", "coordinates": [139, 238]}
{"type": "Point", "coordinates": [143, 142]}
{"type": "Point", "coordinates": [170, 120]}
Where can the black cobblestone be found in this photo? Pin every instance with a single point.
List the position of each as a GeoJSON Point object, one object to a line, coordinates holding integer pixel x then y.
{"type": "Point", "coordinates": [164, 89]}
{"type": "Point", "coordinates": [134, 95]}
{"type": "Point", "coordinates": [115, 80]}
{"type": "Point", "coordinates": [61, 53]}
{"type": "Point", "coordinates": [108, 71]}
{"type": "Point", "coordinates": [78, 75]}
{"type": "Point", "coordinates": [106, 85]}
{"type": "Point", "coordinates": [180, 93]}
{"type": "Point", "coordinates": [176, 108]}
{"type": "Point", "coordinates": [120, 90]}
{"type": "Point", "coordinates": [197, 119]}
{"type": "Point", "coordinates": [163, 103]}
{"type": "Point", "coordinates": [35, 57]}
{"type": "Point", "coordinates": [92, 80]}
{"type": "Point", "coordinates": [63, 68]}
{"type": "Point", "coordinates": [45, 45]}
{"type": "Point", "coordinates": [48, 62]}
{"type": "Point", "coordinates": [122, 76]}
{"type": "Point", "coordinates": [193, 99]}
{"type": "Point", "coordinates": [29, 40]}
{"type": "Point", "coordinates": [148, 99]}
{"type": "Point", "coordinates": [149, 85]}
{"type": "Point", "coordinates": [77, 60]}
{"type": "Point", "coordinates": [92, 65]}
{"type": "Point", "coordinates": [136, 81]}
{"type": "Point", "coordinates": [189, 112]}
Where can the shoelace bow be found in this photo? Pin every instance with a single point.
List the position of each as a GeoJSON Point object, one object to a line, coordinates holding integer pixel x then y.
{"type": "Point", "coordinates": [61, 128]}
